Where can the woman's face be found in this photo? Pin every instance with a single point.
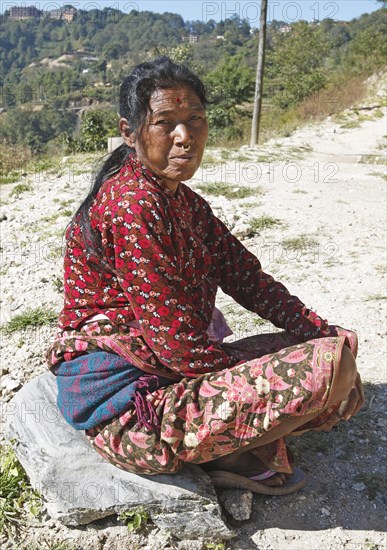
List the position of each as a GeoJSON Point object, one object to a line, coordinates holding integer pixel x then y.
{"type": "Point", "coordinates": [171, 142]}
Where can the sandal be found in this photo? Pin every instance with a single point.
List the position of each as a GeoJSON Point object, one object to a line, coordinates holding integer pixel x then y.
{"type": "Point", "coordinates": [221, 479]}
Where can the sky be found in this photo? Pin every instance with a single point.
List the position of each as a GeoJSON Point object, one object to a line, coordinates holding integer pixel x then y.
{"type": "Point", "coordinates": [204, 10]}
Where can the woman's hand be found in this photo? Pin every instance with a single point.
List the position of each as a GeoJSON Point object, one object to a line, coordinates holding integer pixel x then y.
{"type": "Point", "coordinates": [348, 408]}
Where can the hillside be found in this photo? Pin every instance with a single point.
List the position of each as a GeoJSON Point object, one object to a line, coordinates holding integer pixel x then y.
{"type": "Point", "coordinates": [51, 71]}
{"type": "Point", "coordinates": [312, 207]}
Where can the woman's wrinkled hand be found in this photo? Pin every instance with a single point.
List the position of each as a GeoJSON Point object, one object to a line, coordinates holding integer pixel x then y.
{"type": "Point", "coordinates": [348, 408]}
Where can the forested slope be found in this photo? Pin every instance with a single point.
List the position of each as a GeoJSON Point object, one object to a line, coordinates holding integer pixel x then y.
{"type": "Point", "coordinates": [60, 80]}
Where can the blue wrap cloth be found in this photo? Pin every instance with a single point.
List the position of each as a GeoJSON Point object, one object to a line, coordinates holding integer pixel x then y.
{"type": "Point", "coordinates": [98, 387]}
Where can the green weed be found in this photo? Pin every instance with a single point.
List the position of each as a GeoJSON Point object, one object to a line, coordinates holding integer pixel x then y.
{"type": "Point", "coordinates": [264, 222]}
{"type": "Point", "coordinates": [372, 159]}
{"type": "Point", "coordinates": [376, 297]}
{"type": "Point", "coordinates": [351, 124]}
{"type": "Point", "coordinates": [37, 317]}
{"type": "Point", "coordinates": [381, 268]}
{"type": "Point", "coordinates": [18, 500]}
{"type": "Point", "coordinates": [229, 191]}
{"type": "Point", "coordinates": [135, 518]}
{"type": "Point", "coordinates": [57, 283]}
{"type": "Point", "coordinates": [299, 243]}
{"type": "Point", "coordinates": [19, 189]}
{"type": "Point", "coordinates": [225, 154]}
{"type": "Point", "coordinates": [10, 178]}
{"type": "Point", "coordinates": [209, 160]}
{"type": "Point", "coordinates": [378, 174]}
{"type": "Point", "coordinates": [243, 158]}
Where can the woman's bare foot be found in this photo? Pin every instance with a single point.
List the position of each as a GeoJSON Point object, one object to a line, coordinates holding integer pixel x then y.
{"type": "Point", "coordinates": [248, 465]}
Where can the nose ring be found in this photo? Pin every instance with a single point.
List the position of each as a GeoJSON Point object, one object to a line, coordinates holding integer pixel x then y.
{"type": "Point", "coordinates": [187, 147]}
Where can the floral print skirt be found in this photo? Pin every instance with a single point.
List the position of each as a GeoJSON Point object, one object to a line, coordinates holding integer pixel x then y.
{"type": "Point", "coordinates": [216, 414]}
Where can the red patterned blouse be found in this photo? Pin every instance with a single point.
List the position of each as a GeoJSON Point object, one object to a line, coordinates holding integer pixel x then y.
{"type": "Point", "coordinates": [166, 254]}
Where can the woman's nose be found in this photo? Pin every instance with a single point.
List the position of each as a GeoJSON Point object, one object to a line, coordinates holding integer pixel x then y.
{"type": "Point", "coordinates": [181, 134]}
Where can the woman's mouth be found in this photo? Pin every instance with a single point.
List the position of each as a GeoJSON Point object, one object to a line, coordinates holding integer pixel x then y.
{"type": "Point", "coordinates": [183, 159]}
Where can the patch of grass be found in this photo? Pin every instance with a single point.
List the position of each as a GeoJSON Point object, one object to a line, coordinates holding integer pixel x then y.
{"type": "Point", "coordinates": [44, 164]}
{"type": "Point", "coordinates": [378, 175]}
{"type": "Point", "coordinates": [351, 124]}
{"type": "Point", "coordinates": [378, 113]}
{"type": "Point", "coordinates": [57, 283]}
{"type": "Point", "coordinates": [225, 154]}
{"type": "Point", "coordinates": [300, 191]}
{"type": "Point", "coordinates": [209, 160]}
{"type": "Point", "coordinates": [19, 189]}
{"type": "Point", "coordinates": [51, 218]}
{"type": "Point", "coordinates": [264, 222]}
{"type": "Point", "coordinates": [57, 215]}
{"type": "Point", "coordinates": [376, 297]}
{"type": "Point", "coordinates": [369, 545]}
{"type": "Point", "coordinates": [135, 518]}
{"type": "Point", "coordinates": [215, 546]}
{"type": "Point", "coordinates": [66, 203]}
{"type": "Point", "coordinates": [372, 159]}
{"type": "Point", "coordinates": [18, 500]}
{"type": "Point", "coordinates": [13, 161]}
{"type": "Point", "coordinates": [381, 268]}
{"type": "Point", "coordinates": [299, 243]}
{"type": "Point", "coordinates": [10, 178]}
{"type": "Point", "coordinates": [243, 158]}
{"type": "Point", "coordinates": [229, 191]}
{"type": "Point", "coordinates": [32, 317]}
{"type": "Point", "coordinates": [337, 96]}
{"type": "Point", "coordinates": [55, 252]}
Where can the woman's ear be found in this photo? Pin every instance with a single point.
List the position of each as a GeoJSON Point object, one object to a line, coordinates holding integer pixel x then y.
{"type": "Point", "coordinates": [128, 136]}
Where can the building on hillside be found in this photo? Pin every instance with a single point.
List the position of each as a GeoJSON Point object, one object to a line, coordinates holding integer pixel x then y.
{"type": "Point", "coordinates": [285, 29]}
{"type": "Point", "coordinates": [191, 38]}
{"type": "Point", "coordinates": [63, 14]}
{"type": "Point", "coordinates": [20, 13]}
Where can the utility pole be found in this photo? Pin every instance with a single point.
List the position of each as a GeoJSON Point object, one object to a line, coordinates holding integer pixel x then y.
{"type": "Point", "coordinates": [259, 77]}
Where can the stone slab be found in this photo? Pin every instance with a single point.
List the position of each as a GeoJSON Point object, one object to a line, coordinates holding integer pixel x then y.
{"type": "Point", "coordinates": [79, 486]}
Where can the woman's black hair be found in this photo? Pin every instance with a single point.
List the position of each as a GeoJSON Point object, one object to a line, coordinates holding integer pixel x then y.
{"type": "Point", "coordinates": [135, 94]}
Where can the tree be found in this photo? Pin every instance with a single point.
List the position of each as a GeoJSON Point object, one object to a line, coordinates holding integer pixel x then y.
{"type": "Point", "coordinates": [230, 85]}
{"type": "Point", "coordinates": [297, 62]}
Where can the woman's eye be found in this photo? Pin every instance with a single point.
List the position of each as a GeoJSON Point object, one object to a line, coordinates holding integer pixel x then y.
{"type": "Point", "coordinates": [162, 122]}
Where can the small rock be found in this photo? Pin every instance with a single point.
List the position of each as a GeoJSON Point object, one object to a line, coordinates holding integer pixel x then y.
{"type": "Point", "coordinates": [358, 486]}
{"type": "Point", "coordinates": [44, 280]}
{"type": "Point", "coordinates": [3, 217]}
{"type": "Point", "coordinates": [325, 512]}
{"type": "Point", "coordinates": [237, 503]}
{"type": "Point", "coordinates": [302, 497]}
{"type": "Point", "coordinates": [242, 230]}
{"type": "Point", "coordinates": [9, 384]}
{"type": "Point", "coordinates": [17, 303]}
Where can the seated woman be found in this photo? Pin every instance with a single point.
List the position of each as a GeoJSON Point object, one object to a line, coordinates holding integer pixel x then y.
{"type": "Point", "coordinates": [139, 357]}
